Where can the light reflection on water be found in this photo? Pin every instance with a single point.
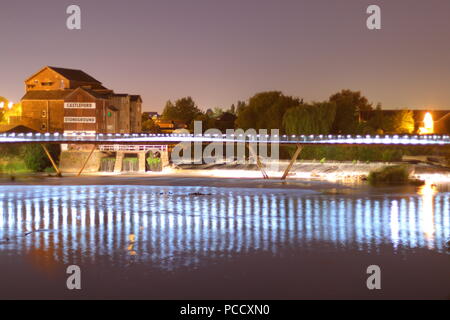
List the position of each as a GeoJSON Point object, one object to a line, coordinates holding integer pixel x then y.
{"type": "Point", "coordinates": [173, 226]}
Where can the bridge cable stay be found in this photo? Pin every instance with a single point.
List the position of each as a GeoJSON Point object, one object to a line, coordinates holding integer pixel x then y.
{"type": "Point", "coordinates": [87, 160]}
{"type": "Point", "coordinates": [291, 163]}
{"type": "Point", "coordinates": [258, 160]}
{"type": "Point", "coordinates": [51, 160]}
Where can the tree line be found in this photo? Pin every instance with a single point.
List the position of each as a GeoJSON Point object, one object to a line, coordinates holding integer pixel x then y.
{"type": "Point", "coordinates": [340, 114]}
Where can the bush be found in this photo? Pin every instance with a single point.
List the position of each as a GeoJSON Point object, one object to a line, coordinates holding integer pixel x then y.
{"type": "Point", "coordinates": [130, 160]}
{"type": "Point", "coordinates": [35, 158]}
{"type": "Point", "coordinates": [350, 153]}
{"type": "Point", "coordinates": [391, 175]}
{"type": "Point", "coordinates": [154, 164]}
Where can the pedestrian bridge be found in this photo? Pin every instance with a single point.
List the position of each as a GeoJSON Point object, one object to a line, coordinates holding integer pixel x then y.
{"type": "Point", "coordinates": [144, 141]}
{"type": "Point", "coordinates": [170, 139]}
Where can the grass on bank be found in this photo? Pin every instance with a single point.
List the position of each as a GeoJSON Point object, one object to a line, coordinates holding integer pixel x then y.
{"type": "Point", "coordinates": [20, 159]}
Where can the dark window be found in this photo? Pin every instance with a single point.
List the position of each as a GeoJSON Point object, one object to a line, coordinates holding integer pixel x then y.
{"type": "Point", "coordinates": [46, 84]}
{"type": "Point", "coordinates": [43, 126]}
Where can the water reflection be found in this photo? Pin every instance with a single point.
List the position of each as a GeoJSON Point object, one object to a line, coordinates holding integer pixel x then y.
{"type": "Point", "coordinates": [428, 192]}
{"type": "Point", "coordinates": [176, 226]}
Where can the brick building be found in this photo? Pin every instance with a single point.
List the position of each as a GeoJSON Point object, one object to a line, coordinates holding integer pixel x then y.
{"type": "Point", "coordinates": [67, 100]}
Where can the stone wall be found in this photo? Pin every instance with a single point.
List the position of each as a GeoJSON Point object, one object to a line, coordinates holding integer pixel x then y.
{"type": "Point", "coordinates": [72, 161]}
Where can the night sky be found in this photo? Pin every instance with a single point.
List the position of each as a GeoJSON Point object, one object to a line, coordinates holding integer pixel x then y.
{"type": "Point", "coordinates": [219, 52]}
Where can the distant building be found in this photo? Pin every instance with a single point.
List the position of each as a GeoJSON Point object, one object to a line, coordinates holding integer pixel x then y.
{"type": "Point", "coordinates": [169, 126]}
{"type": "Point", "coordinates": [151, 115]}
{"type": "Point", "coordinates": [67, 100]}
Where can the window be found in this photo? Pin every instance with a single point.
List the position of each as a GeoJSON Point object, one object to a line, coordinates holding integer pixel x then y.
{"type": "Point", "coordinates": [30, 86]}
{"type": "Point", "coordinates": [43, 126]}
{"type": "Point", "coordinates": [44, 113]}
{"type": "Point", "coordinates": [46, 84]}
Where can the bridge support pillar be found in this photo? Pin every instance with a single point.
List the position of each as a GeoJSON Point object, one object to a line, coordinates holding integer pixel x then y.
{"type": "Point", "coordinates": [119, 161]}
{"type": "Point", "coordinates": [58, 172]}
{"type": "Point", "coordinates": [141, 161]}
{"type": "Point", "coordinates": [291, 163]}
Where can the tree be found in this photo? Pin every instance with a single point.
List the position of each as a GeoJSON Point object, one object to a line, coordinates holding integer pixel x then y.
{"type": "Point", "coordinates": [239, 107]}
{"type": "Point", "coordinates": [316, 118]}
{"type": "Point", "coordinates": [377, 121]}
{"type": "Point", "coordinates": [3, 102]}
{"type": "Point", "coordinates": [232, 109]}
{"type": "Point", "coordinates": [35, 158]}
{"type": "Point", "coordinates": [207, 121]}
{"type": "Point", "coordinates": [348, 106]}
{"type": "Point", "coordinates": [265, 110]}
{"type": "Point", "coordinates": [226, 121]}
{"type": "Point", "coordinates": [217, 112]}
{"type": "Point", "coordinates": [400, 122]}
{"type": "Point", "coordinates": [184, 110]}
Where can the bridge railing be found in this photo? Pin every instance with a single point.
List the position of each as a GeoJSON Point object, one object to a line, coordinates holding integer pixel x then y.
{"type": "Point", "coordinates": [122, 147]}
{"type": "Point", "coordinates": [236, 138]}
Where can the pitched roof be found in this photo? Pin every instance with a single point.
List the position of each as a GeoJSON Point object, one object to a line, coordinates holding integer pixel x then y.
{"type": "Point", "coordinates": [135, 98]}
{"type": "Point", "coordinates": [93, 93]}
{"type": "Point", "coordinates": [75, 75]}
{"type": "Point", "coordinates": [97, 94]}
{"type": "Point", "coordinates": [21, 129]}
{"type": "Point", "coordinates": [61, 94]}
{"type": "Point", "coordinates": [46, 95]}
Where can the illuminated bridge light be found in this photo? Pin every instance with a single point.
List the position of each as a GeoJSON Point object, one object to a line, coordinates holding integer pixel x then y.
{"type": "Point", "coordinates": [437, 140]}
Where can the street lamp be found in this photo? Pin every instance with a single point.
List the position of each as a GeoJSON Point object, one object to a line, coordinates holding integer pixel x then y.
{"type": "Point", "coordinates": [2, 105]}
{"type": "Point", "coordinates": [10, 105]}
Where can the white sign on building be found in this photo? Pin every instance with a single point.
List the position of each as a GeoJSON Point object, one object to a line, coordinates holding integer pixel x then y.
{"type": "Point", "coordinates": [79, 120]}
{"type": "Point", "coordinates": [79, 105]}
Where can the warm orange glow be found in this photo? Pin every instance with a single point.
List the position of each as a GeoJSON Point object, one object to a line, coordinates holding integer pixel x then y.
{"type": "Point", "coordinates": [131, 244]}
{"type": "Point", "coordinates": [428, 193]}
{"type": "Point", "coordinates": [428, 125]}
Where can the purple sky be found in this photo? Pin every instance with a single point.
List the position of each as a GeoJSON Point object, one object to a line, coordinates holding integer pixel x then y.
{"type": "Point", "coordinates": [219, 52]}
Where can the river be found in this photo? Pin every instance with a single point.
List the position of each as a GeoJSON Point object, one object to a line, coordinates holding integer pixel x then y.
{"type": "Point", "coordinates": [141, 241]}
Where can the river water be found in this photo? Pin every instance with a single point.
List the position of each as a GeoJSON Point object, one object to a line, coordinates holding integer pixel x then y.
{"type": "Point", "coordinates": [213, 242]}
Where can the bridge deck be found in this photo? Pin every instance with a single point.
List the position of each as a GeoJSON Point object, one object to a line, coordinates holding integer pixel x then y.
{"type": "Point", "coordinates": [171, 139]}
